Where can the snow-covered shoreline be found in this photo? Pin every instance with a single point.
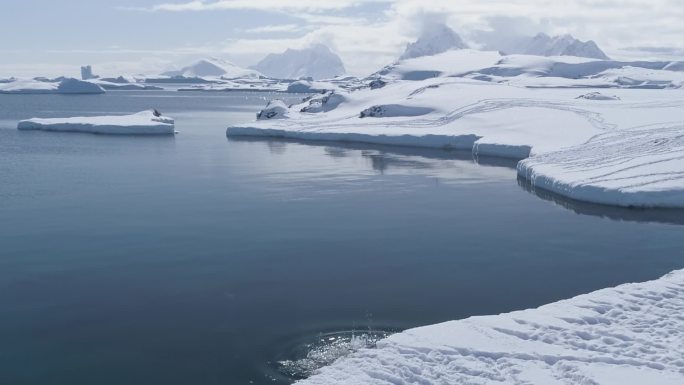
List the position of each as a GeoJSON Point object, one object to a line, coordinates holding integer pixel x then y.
{"type": "Point", "coordinates": [629, 334]}
{"type": "Point", "coordinates": [514, 107]}
{"type": "Point", "coordinates": [142, 123]}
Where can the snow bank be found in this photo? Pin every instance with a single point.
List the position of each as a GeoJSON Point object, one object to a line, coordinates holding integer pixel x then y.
{"type": "Point", "coordinates": [142, 123]}
{"type": "Point", "coordinates": [630, 334]}
{"type": "Point", "coordinates": [598, 96]}
{"type": "Point", "coordinates": [307, 86]}
{"type": "Point", "coordinates": [393, 110]}
{"type": "Point", "coordinates": [64, 86]}
{"type": "Point", "coordinates": [276, 109]}
{"type": "Point", "coordinates": [634, 167]}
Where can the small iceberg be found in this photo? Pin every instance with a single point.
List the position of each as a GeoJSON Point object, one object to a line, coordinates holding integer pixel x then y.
{"type": "Point", "coordinates": [149, 122]}
{"type": "Point", "coordinates": [44, 86]}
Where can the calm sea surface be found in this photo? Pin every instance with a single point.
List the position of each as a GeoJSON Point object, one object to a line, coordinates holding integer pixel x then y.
{"type": "Point", "coordinates": [198, 259]}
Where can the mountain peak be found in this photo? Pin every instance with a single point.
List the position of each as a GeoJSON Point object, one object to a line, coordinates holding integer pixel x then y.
{"type": "Point", "coordinates": [212, 67]}
{"type": "Point", "coordinates": [316, 61]}
{"type": "Point", "coordinates": [434, 39]}
{"type": "Point", "coordinates": [562, 45]}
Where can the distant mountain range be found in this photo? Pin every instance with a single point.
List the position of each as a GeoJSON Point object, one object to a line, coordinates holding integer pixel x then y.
{"type": "Point", "coordinates": [316, 61]}
{"type": "Point", "coordinates": [438, 38]}
{"type": "Point", "coordinates": [564, 45]}
{"type": "Point", "coordinates": [213, 67]}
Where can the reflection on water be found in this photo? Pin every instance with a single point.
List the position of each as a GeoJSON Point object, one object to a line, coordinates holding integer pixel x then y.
{"type": "Point", "coordinates": [198, 260]}
{"type": "Point", "coordinates": [655, 215]}
{"type": "Point", "coordinates": [441, 166]}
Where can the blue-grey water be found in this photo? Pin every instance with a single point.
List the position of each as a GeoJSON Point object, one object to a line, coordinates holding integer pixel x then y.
{"type": "Point", "coordinates": [198, 259]}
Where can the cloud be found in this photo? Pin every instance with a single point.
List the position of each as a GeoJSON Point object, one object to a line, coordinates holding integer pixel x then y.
{"type": "Point", "coordinates": [267, 5]}
{"type": "Point", "coordinates": [276, 28]}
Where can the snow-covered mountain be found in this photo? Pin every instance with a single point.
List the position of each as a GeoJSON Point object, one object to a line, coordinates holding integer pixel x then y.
{"type": "Point", "coordinates": [317, 62]}
{"type": "Point", "coordinates": [435, 38]}
{"type": "Point", "coordinates": [213, 67]}
{"type": "Point", "coordinates": [565, 45]}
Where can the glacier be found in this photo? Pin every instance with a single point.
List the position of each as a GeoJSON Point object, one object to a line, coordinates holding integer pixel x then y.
{"type": "Point", "coordinates": [517, 107]}
{"type": "Point", "coordinates": [141, 123]}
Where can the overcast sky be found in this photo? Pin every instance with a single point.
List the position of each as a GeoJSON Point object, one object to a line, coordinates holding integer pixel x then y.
{"type": "Point", "coordinates": [54, 37]}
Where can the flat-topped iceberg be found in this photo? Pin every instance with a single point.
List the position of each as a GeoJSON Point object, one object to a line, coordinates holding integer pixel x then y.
{"type": "Point", "coordinates": [630, 334]}
{"type": "Point", "coordinates": [642, 166]}
{"type": "Point", "coordinates": [40, 86]}
{"type": "Point", "coordinates": [142, 123]}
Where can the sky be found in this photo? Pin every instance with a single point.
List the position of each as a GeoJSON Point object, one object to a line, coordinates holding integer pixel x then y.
{"type": "Point", "coordinates": [55, 37]}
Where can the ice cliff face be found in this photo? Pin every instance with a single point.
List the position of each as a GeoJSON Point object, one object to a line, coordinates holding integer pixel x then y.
{"type": "Point", "coordinates": [566, 45]}
{"type": "Point", "coordinates": [213, 67]}
{"type": "Point", "coordinates": [434, 39]}
{"type": "Point", "coordinates": [317, 62]}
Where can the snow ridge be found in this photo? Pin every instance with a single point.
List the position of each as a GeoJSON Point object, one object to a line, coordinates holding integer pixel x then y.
{"type": "Point", "coordinates": [630, 334]}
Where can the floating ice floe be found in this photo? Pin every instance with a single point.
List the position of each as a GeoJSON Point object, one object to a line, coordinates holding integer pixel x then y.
{"type": "Point", "coordinates": [142, 123]}
{"type": "Point", "coordinates": [63, 86]}
{"type": "Point", "coordinates": [630, 334]}
{"type": "Point", "coordinates": [642, 167]}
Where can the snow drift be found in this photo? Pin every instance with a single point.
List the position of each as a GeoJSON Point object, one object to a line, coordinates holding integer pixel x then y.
{"type": "Point", "coordinates": [142, 123]}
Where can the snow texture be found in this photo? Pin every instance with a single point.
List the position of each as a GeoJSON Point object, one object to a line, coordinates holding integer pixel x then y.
{"type": "Point", "coordinates": [316, 62]}
{"type": "Point", "coordinates": [632, 334]}
{"type": "Point", "coordinates": [142, 123]}
{"type": "Point", "coordinates": [642, 166]}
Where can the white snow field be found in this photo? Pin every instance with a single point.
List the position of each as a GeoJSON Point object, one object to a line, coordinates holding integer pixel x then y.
{"type": "Point", "coordinates": [142, 123]}
{"type": "Point", "coordinates": [63, 86]}
{"type": "Point", "coordinates": [525, 106]}
{"type": "Point", "coordinates": [632, 334]}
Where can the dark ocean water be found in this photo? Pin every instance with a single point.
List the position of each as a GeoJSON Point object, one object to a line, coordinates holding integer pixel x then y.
{"type": "Point", "coordinates": [198, 259]}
